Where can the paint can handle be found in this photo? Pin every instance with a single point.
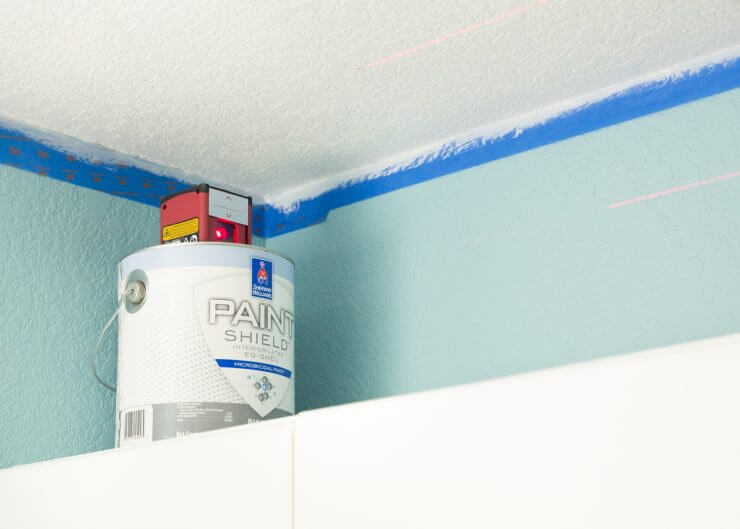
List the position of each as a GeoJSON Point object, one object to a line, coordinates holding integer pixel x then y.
{"type": "Point", "coordinates": [94, 356]}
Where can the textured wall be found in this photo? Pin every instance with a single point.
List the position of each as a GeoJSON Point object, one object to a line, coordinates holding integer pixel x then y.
{"type": "Point", "coordinates": [519, 265]}
{"type": "Point", "coordinates": [60, 246]}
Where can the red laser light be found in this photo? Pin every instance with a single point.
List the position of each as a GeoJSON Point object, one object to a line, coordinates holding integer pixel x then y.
{"type": "Point", "coordinates": [676, 189]}
{"type": "Point", "coordinates": [457, 33]}
{"type": "Point", "coordinates": [221, 233]}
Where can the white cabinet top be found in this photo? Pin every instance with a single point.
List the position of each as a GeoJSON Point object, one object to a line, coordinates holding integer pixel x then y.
{"type": "Point", "coordinates": [645, 440]}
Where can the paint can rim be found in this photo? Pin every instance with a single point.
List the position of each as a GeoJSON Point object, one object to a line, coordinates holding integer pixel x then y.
{"type": "Point", "coordinates": [229, 245]}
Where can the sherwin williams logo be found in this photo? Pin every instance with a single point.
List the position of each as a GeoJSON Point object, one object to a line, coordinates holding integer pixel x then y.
{"type": "Point", "coordinates": [261, 278]}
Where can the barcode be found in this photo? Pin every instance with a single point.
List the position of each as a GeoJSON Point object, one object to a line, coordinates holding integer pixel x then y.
{"type": "Point", "coordinates": [134, 425]}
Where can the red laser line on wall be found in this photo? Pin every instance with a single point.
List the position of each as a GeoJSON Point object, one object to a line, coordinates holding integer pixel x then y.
{"type": "Point", "coordinates": [676, 189]}
{"type": "Point", "coordinates": [458, 33]}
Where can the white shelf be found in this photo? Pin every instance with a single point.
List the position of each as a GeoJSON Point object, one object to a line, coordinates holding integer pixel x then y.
{"type": "Point", "coordinates": [236, 477]}
{"type": "Point", "coordinates": [642, 441]}
{"type": "Point", "coordinates": [648, 440]}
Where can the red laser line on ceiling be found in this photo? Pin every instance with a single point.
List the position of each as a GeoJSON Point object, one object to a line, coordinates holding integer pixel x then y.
{"type": "Point", "coordinates": [458, 33]}
{"type": "Point", "coordinates": [676, 189]}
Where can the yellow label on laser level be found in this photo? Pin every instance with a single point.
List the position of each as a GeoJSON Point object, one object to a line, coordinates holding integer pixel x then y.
{"type": "Point", "coordinates": [179, 230]}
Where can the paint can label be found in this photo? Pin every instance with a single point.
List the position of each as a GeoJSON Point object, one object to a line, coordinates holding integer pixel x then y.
{"type": "Point", "coordinates": [211, 346]}
{"type": "Point", "coordinates": [249, 338]}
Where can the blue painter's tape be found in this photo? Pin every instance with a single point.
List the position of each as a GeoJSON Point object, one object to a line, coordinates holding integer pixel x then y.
{"type": "Point", "coordinates": [629, 104]}
{"type": "Point", "coordinates": [19, 150]}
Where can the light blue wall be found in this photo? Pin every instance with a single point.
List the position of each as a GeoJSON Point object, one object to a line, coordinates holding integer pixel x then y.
{"type": "Point", "coordinates": [518, 264]}
{"type": "Point", "coordinates": [507, 267]}
{"type": "Point", "coordinates": [59, 247]}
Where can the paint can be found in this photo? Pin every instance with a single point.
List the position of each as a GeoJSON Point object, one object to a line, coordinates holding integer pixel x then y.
{"type": "Point", "coordinates": [205, 340]}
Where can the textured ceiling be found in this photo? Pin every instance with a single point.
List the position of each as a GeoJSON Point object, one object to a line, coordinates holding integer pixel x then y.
{"type": "Point", "coordinates": [278, 98]}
